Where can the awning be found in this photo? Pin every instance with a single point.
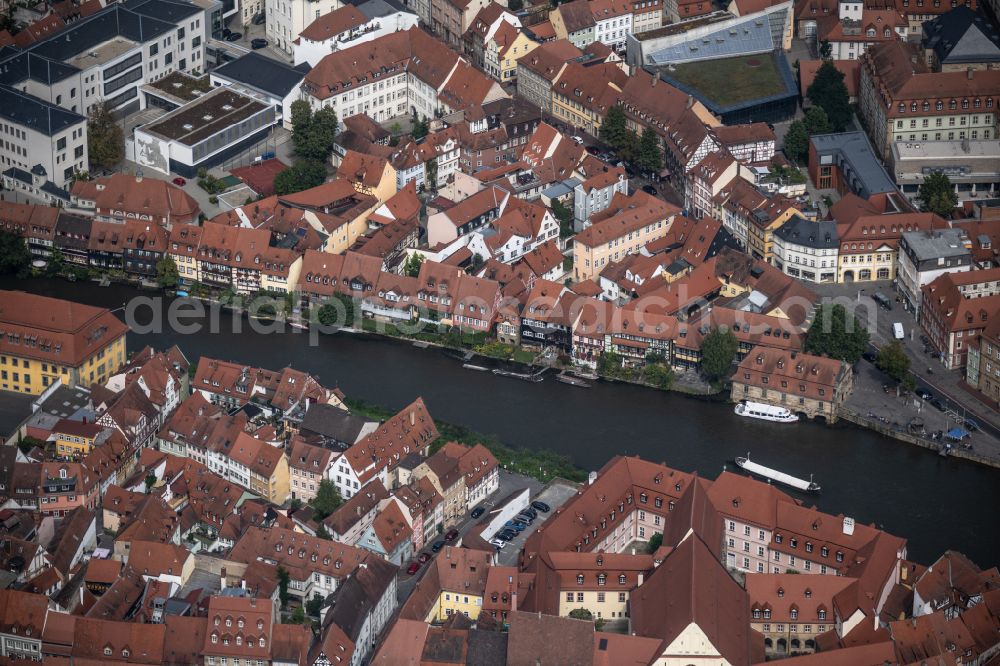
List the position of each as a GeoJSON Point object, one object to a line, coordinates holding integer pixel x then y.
{"type": "Point", "coordinates": [957, 434]}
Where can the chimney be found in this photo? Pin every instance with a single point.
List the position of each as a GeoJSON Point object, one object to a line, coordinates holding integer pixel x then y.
{"type": "Point", "coordinates": [969, 73]}
{"type": "Point", "coordinates": [591, 478]}
{"type": "Point", "coordinates": [690, 101]}
{"type": "Point", "coordinates": [413, 418]}
{"type": "Point", "coordinates": [138, 176]}
{"type": "Point", "coordinates": [222, 577]}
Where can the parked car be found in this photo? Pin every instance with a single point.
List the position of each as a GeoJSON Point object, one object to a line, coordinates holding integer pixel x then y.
{"type": "Point", "coordinates": [438, 545]}
{"type": "Point", "coordinates": [451, 535]}
{"type": "Point", "coordinates": [226, 32]}
{"type": "Point", "coordinates": [524, 520]}
{"type": "Point", "coordinates": [413, 568]}
{"type": "Point", "coordinates": [578, 139]}
{"type": "Point", "coordinates": [970, 425]}
{"type": "Point", "coordinates": [499, 543]}
{"type": "Point", "coordinates": [179, 182]}
{"type": "Point", "coordinates": [541, 506]}
{"type": "Point", "coordinates": [869, 356]}
{"type": "Point", "coordinates": [530, 512]}
{"type": "Point", "coordinates": [234, 36]}
{"type": "Point", "coordinates": [882, 300]}
{"type": "Point", "coordinates": [649, 189]}
{"type": "Point", "coordinates": [258, 43]}
{"type": "Point", "coordinates": [259, 19]}
{"type": "Point", "coordinates": [937, 404]}
{"type": "Point", "coordinates": [594, 150]}
{"type": "Point", "coordinates": [424, 558]}
{"type": "Point", "coordinates": [923, 393]}
{"type": "Point", "coordinates": [515, 526]}
{"type": "Point", "coordinates": [506, 535]}
{"type": "Point", "coordinates": [478, 511]}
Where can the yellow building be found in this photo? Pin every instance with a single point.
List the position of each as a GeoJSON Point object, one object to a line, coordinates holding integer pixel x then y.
{"type": "Point", "coordinates": [282, 282]}
{"type": "Point", "coordinates": [260, 467]}
{"type": "Point", "coordinates": [75, 438]}
{"type": "Point", "coordinates": [582, 96]}
{"type": "Point", "coordinates": [370, 174]}
{"type": "Point", "coordinates": [624, 228]}
{"type": "Point", "coordinates": [760, 232]}
{"type": "Point", "coordinates": [502, 51]}
{"type": "Point", "coordinates": [460, 575]}
{"type": "Point", "coordinates": [49, 339]}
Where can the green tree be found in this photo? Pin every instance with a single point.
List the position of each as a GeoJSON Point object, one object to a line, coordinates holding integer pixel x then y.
{"type": "Point", "coordinates": [294, 505]}
{"type": "Point", "coordinates": [564, 214]}
{"type": "Point", "coordinates": [609, 364]}
{"type": "Point", "coordinates": [816, 121]}
{"type": "Point", "coordinates": [614, 127]}
{"type": "Point", "coordinates": [829, 92]}
{"type": "Point", "coordinates": [150, 481]}
{"type": "Point", "coordinates": [298, 616]}
{"type": "Point", "coordinates": [659, 375]}
{"type": "Point", "coordinates": [581, 614]}
{"type": "Point", "coordinates": [648, 155]}
{"type": "Point", "coordinates": [655, 542]}
{"type": "Point", "coordinates": [718, 349]}
{"type": "Point", "coordinates": [313, 132]}
{"type": "Point", "coordinates": [301, 176]}
{"type": "Point", "coordinates": [893, 361]}
{"type": "Point", "coordinates": [421, 127]}
{"type": "Point", "coordinates": [825, 49]}
{"type": "Point", "coordinates": [327, 315]}
{"type": "Point", "coordinates": [431, 168]}
{"type": "Point", "coordinates": [15, 259]}
{"type": "Point", "coordinates": [322, 533]}
{"type": "Point", "coordinates": [327, 499]}
{"type": "Point", "coordinates": [937, 195]}
{"type": "Point", "coordinates": [797, 141]}
{"type": "Point", "coordinates": [630, 146]}
{"type": "Point", "coordinates": [105, 138]}
{"type": "Point", "coordinates": [57, 263]}
{"type": "Point", "coordinates": [283, 580]}
{"type": "Point", "coordinates": [836, 334]}
{"type": "Point", "coordinates": [166, 272]}
{"type": "Point", "coordinates": [314, 605]}
{"type": "Point", "coordinates": [413, 264]}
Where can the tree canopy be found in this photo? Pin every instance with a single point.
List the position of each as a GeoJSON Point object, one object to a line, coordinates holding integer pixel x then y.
{"type": "Point", "coordinates": [893, 361]}
{"type": "Point", "coordinates": [718, 349]}
{"type": "Point", "coordinates": [300, 176]}
{"type": "Point", "coordinates": [313, 132]}
{"type": "Point", "coordinates": [836, 334]}
{"type": "Point", "coordinates": [649, 157]}
{"type": "Point", "coordinates": [829, 92]}
{"type": "Point", "coordinates": [413, 264]}
{"type": "Point", "coordinates": [816, 121]}
{"type": "Point", "coordinates": [105, 137]}
{"type": "Point", "coordinates": [14, 255]}
{"type": "Point", "coordinates": [797, 141]}
{"type": "Point", "coordinates": [614, 128]}
{"type": "Point", "coordinates": [327, 499]}
{"type": "Point", "coordinates": [564, 214]}
{"type": "Point", "coordinates": [166, 272]}
{"type": "Point", "coordinates": [937, 195]}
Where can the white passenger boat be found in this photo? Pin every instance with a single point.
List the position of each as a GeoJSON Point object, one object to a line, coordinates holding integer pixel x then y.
{"type": "Point", "coordinates": [775, 475]}
{"type": "Point", "coordinates": [760, 410]}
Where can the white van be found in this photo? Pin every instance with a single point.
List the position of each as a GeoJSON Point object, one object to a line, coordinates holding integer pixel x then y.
{"type": "Point", "coordinates": [897, 330]}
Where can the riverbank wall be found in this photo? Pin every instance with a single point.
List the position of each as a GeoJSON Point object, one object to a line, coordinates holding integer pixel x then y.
{"type": "Point", "coordinates": [933, 445]}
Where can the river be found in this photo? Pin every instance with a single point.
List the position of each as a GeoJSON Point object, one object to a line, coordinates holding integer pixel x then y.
{"type": "Point", "coordinates": [936, 503]}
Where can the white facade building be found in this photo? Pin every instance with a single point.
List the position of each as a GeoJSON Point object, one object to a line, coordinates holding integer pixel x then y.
{"type": "Point", "coordinates": [807, 250]}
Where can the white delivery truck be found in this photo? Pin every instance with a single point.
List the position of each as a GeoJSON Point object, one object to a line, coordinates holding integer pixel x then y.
{"type": "Point", "coordinates": [897, 330]}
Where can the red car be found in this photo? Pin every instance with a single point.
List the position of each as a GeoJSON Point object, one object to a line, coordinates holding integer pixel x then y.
{"type": "Point", "coordinates": [424, 558]}
{"type": "Point", "coordinates": [451, 535]}
{"type": "Point", "coordinates": [179, 182]}
{"type": "Point", "coordinates": [413, 568]}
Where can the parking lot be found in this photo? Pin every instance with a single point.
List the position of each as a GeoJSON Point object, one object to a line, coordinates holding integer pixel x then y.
{"type": "Point", "coordinates": [555, 495]}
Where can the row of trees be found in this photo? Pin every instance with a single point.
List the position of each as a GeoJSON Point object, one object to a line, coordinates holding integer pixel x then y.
{"type": "Point", "coordinates": [644, 150]}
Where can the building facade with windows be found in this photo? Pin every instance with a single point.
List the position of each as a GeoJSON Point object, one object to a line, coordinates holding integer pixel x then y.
{"type": "Point", "coordinates": [47, 340]}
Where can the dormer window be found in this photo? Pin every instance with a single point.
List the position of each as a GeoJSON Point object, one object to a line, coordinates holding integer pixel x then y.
{"type": "Point", "coordinates": [621, 579]}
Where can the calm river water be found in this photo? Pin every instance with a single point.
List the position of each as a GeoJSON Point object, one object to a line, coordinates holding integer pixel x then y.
{"type": "Point", "coordinates": [936, 503]}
